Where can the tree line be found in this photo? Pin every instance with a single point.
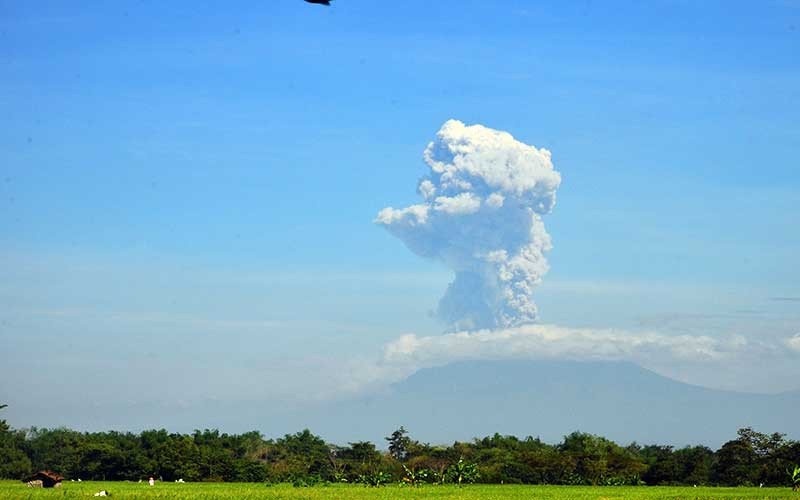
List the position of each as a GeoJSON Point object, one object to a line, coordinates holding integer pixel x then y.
{"type": "Point", "coordinates": [752, 458]}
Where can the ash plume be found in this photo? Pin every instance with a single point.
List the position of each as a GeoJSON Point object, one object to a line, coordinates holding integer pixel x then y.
{"type": "Point", "coordinates": [481, 215]}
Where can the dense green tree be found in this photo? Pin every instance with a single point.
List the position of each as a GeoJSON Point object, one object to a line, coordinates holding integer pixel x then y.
{"type": "Point", "coordinates": [435, 459]}
{"type": "Point", "coordinates": [55, 449]}
{"type": "Point", "coordinates": [596, 460]}
{"type": "Point", "coordinates": [306, 459]}
{"type": "Point", "coordinates": [735, 464]}
{"type": "Point", "coordinates": [399, 443]}
{"type": "Point", "coordinates": [14, 463]}
{"type": "Point", "coordinates": [662, 468]}
{"type": "Point", "coordinates": [361, 452]}
{"type": "Point", "coordinates": [300, 454]}
{"type": "Point", "coordinates": [694, 465]}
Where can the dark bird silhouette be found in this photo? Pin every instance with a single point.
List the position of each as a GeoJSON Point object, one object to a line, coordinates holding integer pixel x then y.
{"type": "Point", "coordinates": [320, 2]}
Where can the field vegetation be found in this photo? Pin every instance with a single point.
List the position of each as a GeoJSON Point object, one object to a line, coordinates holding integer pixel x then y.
{"type": "Point", "coordinates": [13, 490]}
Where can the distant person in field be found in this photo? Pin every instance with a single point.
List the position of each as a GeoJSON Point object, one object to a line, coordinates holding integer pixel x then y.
{"type": "Point", "coordinates": [151, 481]}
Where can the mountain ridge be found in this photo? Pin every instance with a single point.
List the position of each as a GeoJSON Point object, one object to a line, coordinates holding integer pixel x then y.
{"type": "Point", "coordinates": [549, 399]}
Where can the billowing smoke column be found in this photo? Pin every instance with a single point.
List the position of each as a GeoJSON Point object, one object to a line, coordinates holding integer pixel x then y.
{"type": "Point", "coordinates": [481, 216]}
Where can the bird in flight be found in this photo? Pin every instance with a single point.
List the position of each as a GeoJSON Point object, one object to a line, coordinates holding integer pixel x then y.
{"type": "Point", "coordinates": [321, 2]}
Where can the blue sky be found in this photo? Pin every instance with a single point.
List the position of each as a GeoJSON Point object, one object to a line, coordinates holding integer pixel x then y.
{"type": "Point", "coordinates": [191, 187]}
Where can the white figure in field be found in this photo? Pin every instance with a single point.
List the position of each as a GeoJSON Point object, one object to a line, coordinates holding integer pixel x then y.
{"type": "Point", "coordinates": [151, 481]}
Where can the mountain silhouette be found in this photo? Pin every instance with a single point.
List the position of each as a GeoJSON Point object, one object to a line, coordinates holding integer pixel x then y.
{"type": "Point", "coordinates": [549, 399]}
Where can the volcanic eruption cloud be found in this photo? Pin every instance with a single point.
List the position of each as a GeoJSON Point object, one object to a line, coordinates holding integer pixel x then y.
{"type": "Point", "coordinates": [482, 209]}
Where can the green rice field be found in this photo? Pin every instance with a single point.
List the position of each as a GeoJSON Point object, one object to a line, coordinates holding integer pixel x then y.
{"type": "Point", "coordinates": [12, 490]}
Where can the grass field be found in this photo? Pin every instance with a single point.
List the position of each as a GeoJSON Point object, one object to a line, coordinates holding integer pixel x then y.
{"type": "Point", "coordinates": [11, 490]}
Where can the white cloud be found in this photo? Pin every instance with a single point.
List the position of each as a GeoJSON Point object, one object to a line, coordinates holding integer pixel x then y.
{"type": "Point", "coordinates": [461, 204]}
{"type": "Point", "coordinates": [466, 158]}
{"type": "Point", "coordinates": [426, 189]}
{"type": "Point", "coordinates": [557, 342]}
{"type": "Point", "coordinates": [495, 200]}
{"type": "Point", "coordinates": [411, 216]}
{"type": "Point", "coordinates": [485, 197]}
{"type": "Point", "coordinates": [794, 342]}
